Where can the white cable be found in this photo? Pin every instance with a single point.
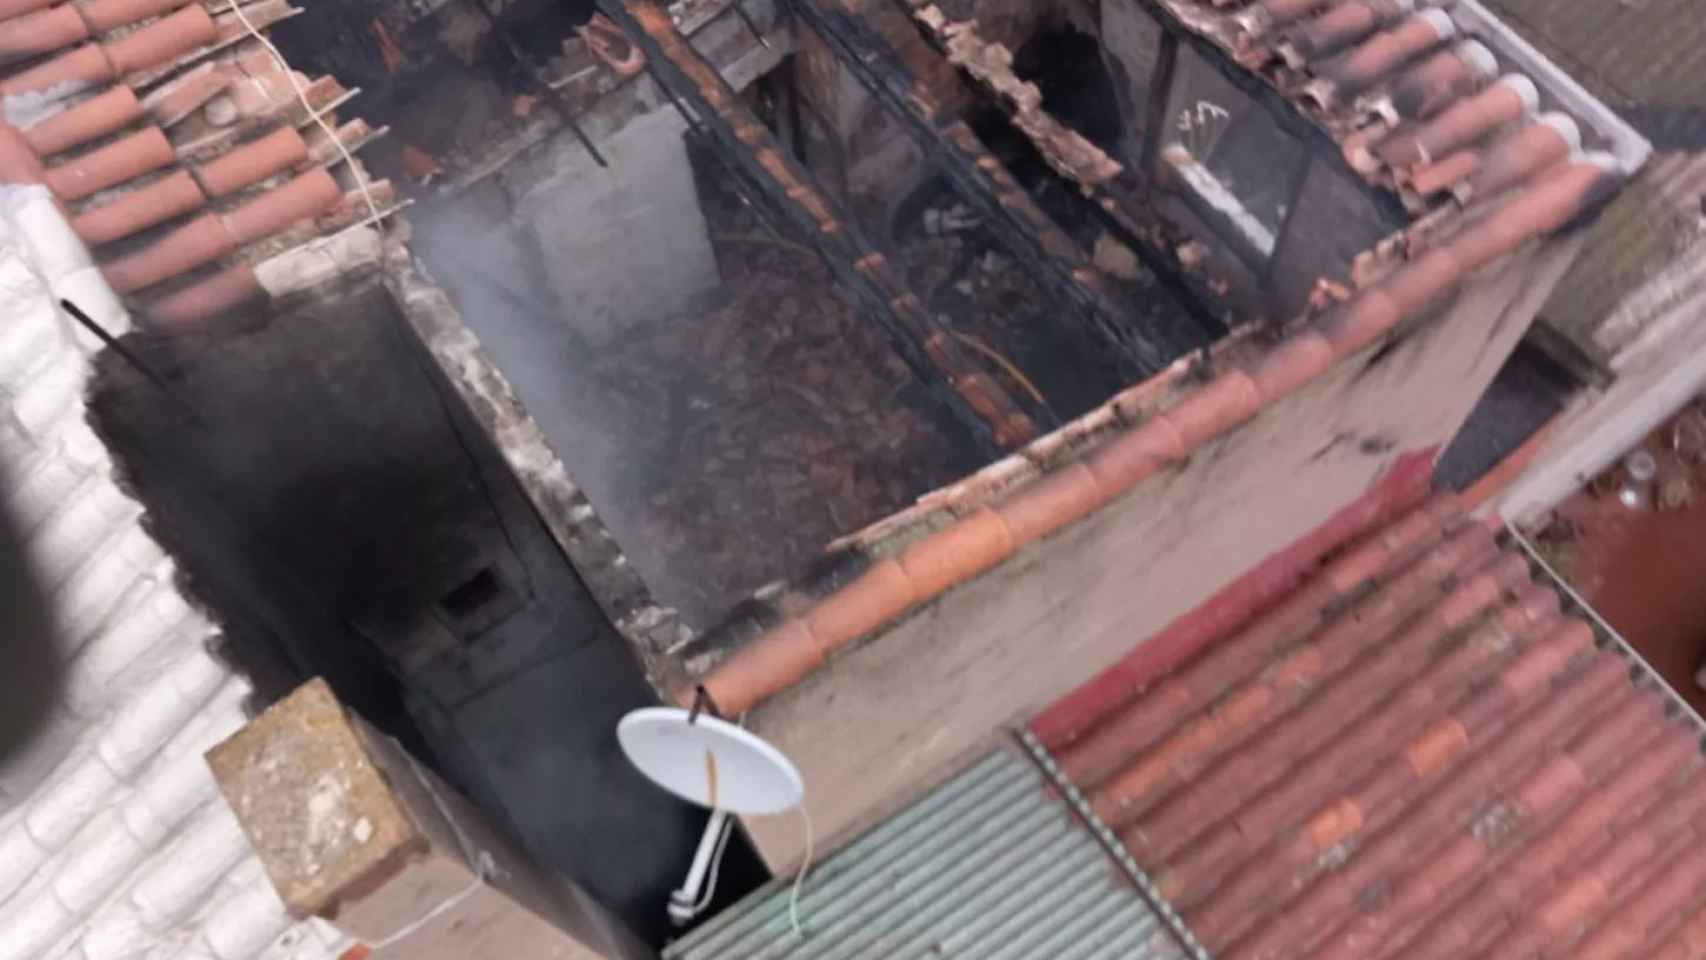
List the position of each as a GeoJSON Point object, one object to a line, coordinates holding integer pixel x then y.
{"type": "Point", "coordinates": [716, 866]}
{"type": "Point", "coordinates": [482, 862]}
{"type": "Point", "coordinates": [800, 878]}
{"type": "Point", "coordinates": [313, 114]}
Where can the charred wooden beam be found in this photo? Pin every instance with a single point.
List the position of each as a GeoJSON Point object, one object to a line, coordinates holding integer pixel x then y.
{"type": "Point", "coordinates": [974, 396]}
{"type": "Point", "coordinates": [1030, 234]}
{"type": "Point", "coordinates": [1112, 193]}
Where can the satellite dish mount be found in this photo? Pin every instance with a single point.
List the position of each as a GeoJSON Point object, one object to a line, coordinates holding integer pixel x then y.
{"type": "Point", "coordinates": [712, 763]}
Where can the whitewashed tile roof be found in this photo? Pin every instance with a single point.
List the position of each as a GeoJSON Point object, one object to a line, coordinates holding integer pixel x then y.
{"type": "Point", "coordinates": [114, 842]}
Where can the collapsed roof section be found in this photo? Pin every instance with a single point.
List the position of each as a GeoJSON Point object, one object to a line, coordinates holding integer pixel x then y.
{"type": "Point", "coordinates": [1434, 103]}
{"type": "Point", "coordinates": [1406, 93]}
{"type": "Point", "coordinates": [184, 150]}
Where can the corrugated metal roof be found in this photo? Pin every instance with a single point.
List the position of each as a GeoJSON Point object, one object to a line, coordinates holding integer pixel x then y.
{"type": "Point", "coordinates": [991, 866]}
{"type": "Point", "coordinates": [1643, 58]}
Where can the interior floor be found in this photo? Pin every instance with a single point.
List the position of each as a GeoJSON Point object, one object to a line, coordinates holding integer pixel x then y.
{"type": "Point", "coordinates": [1640, 567]}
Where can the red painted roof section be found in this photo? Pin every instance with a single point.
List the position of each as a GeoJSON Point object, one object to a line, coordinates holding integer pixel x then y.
{"type": "Point", "coordinates": [177, 145]}
{"type": "Point", "coordinates": [1415, 754]}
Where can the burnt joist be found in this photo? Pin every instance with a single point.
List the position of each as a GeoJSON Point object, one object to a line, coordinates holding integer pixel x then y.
{"type": "Point", "coordinates": [973, 395]}
{"type": "Point", "coordinates": [1057, 262]}
{"type": "Point", "coordinates": [1107, 187]}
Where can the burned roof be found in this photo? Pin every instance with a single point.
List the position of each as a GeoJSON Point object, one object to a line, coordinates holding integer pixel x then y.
{"type": "Point", "coordinates": [1415, 753]}
{"type": "Point", "coordinates": [184, 150]}
{"type": "Point", "coordinates": [1437, 102]}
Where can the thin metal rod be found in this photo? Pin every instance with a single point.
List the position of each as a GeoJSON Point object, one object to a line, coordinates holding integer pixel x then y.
{"type": "Point", "coordinates": [552, 94]}
{"type": "Point", "coordinates": [751, 25]}
{"type": "Point", "coordinates": [127, 355]}
{"type": "Point", "coordinates": [675, 101]}
{"type": "Point", "coordinates": [1605, 628]}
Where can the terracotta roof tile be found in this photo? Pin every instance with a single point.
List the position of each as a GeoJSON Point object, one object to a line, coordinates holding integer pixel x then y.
{"type": "Point", "coordinates": [142, 152]}
{"type": "Point", "coordinates": [168, 54]}
{"type": "Point", "coordinates": [1465, 122]}
{"type": "Point", "coordinates": [170, 196]}
{"type": "Point", "coordinates": [41, 32]}
{"type": "Point", "coordinates": [1446, 766]}
{"type": "Point", "coordinates": [1051, 504]}
{"type": "Point", "coordinates": [104, 15]}
{"type": "Point", "coordinates": [106, 112]}
{"type": "Point", "coordinates": [163, 40]}
{"type": "Point", "coordinates": [1215, 408]}
{"type": "Point", "coordinates": [965, 550]}
{"type": "Point", "coordinates": [1094, 758]}
{"type": "Point", "coordinates": [200, 241]}
{"type": "Point", "coordinates": [14, 8]}
{"type": "Point", "coordinates": [188, 92]}
{"type": "Point", "coordinates": [253, 162]}
{"type": "Point", "coordinates": [85, 66]}
{"type": "Point", "coordinates": [882, 592]}
{"type": "Point", "coordinates": [791, 652]}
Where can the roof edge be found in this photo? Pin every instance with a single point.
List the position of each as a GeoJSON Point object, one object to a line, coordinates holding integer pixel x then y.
{"type": "Point", "coordinates": [1630, 147]}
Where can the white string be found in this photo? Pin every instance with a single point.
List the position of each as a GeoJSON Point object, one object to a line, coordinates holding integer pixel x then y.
{"type": "Point", "coordinates": [484, 865]}
{"type": "Point", "coordinates": [800, 878]}
{"type": "Point", "coordinates": [315, 115]}
{"type": "Point", "coordinates": [456, 900]}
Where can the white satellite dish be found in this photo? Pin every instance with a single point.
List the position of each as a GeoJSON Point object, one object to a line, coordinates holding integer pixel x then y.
{"type": "Point", "coordinates": [710, 762]}
{"type": "Point", "coordinates": [714, 764]}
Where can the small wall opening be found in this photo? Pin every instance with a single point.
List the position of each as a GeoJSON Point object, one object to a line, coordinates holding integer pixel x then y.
{"type": "Point", "coordinates": [1066, 64]}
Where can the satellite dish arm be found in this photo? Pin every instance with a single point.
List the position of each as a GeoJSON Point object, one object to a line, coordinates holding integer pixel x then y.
{"type": "Point", "coordinates": [688, 902]}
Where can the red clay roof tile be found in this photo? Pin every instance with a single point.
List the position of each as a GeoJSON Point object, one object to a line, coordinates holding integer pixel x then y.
{"type": "Point", "coordinates": [16, 8]}
{"type": "Point", "coordinates": [1358, 69]}
{"type": "Point", "coordinates": [1461, 125]}
{"type": "Point", "coordinates": [41, 32]}
{"type": "Point", "coordinates": [187, 308]}
{"type": "Point", "coordinates": [171, 196]}
{"type": "Point", "coordinates": [253, 162]}
{"type": "Point", "coordinates": [188, 92]}
{"type": "Point", "coordinates": [106, 112]}
{"type": "Point", "coordinates": [1337, 30]}
{"type": "Point", "coordinates": [189, 246]}
{"type": "Point", "coordinates": [1547, 141]}
{"type": "Point", "coordinates": [957, 553]}
{"type": "Point", "coordinates": [1215, 408]}
{"type": "Point", "coordinates": [1441, 80]}
{"type": "Point", "coordinates": [1442, 175]}
{"type": "Point", "coordinates": [142, 152]}
{"type": "Point", "coordinates": [104, 15]}
{"type": "Point", "coordinates": [87, 65]}
{"type": "Point", "coordinates": [1293, 363]}
{"type": "Point", "coordinates": [1061, 498]}
{"type": "Point", "coordinates": [163, 41]}
{"type": "Point", "coordinates": [872, 599]}
{"type": "Point", "coordinates": [745, 677]}
{"type": "Point", "coordinates": [298, 199]}
{"type": "Point", "coordinates": [1467, 775]}
{"type": "Point", "coordinates": [169, 33]}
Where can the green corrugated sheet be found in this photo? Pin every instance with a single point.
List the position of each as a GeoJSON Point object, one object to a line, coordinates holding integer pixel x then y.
{"type": "Point", "coordinates": [991, 866]}
{"type": "Point", "coordinates": [1625, 51]}
{"type": "Point", "coordinates": [1628, 53]}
